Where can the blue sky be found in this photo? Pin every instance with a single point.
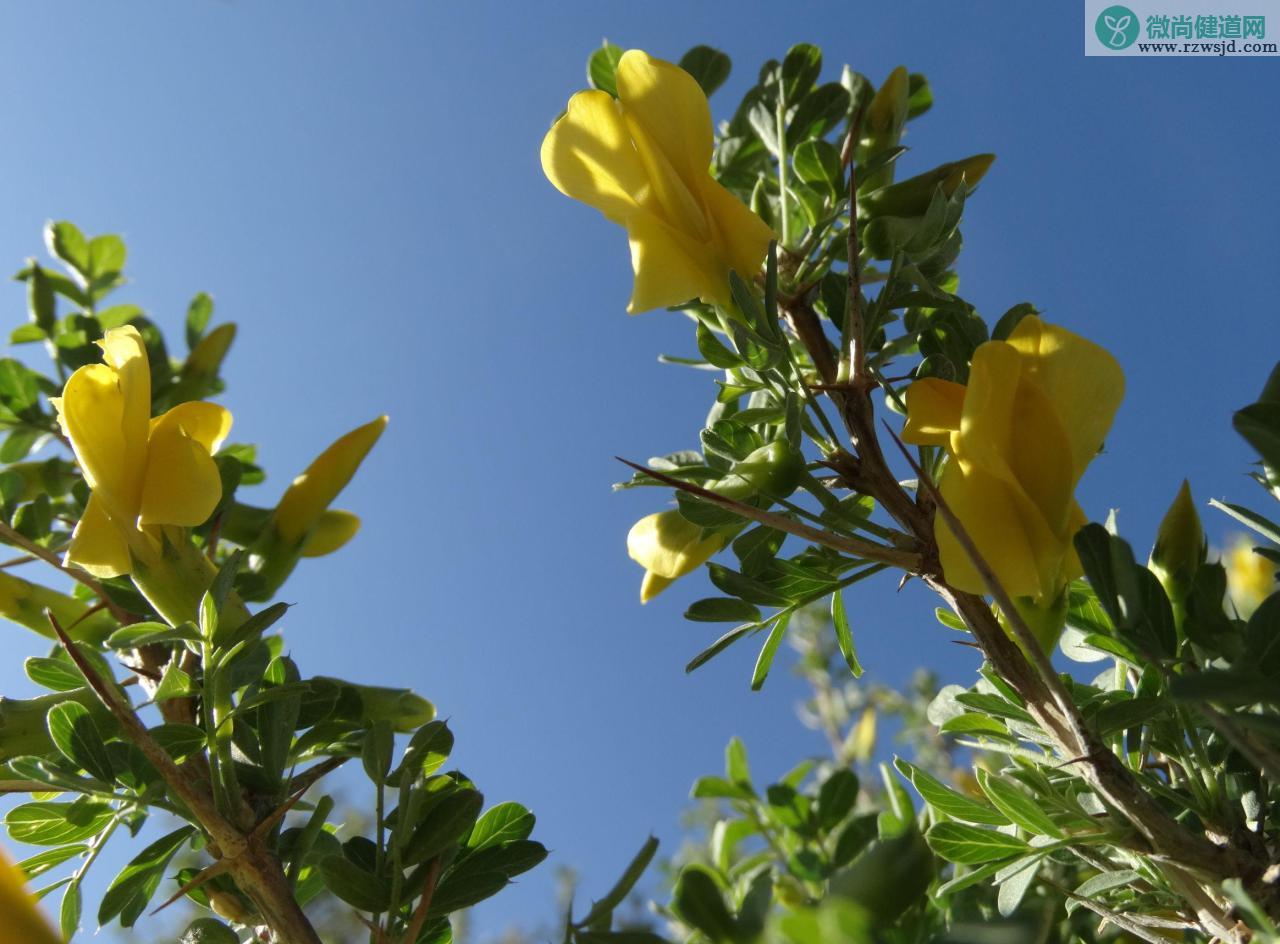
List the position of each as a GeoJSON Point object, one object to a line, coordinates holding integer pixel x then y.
{"type": "Point", "coordinates": [359, 188]}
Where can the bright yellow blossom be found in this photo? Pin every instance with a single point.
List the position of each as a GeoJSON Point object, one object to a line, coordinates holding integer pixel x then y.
{"type": "Point", "coordinates": [668, 546]}
{"type": "Point", "coordinates": [20, 920]}
{"type": "Point", "coordinates": [1033, 415]}
{"type": "Point", "coordinates": [145, 473]}
{"type": "Point", "coordinates": [1251, 578]}
{"type": "Point", "coordinates": [643, 161]}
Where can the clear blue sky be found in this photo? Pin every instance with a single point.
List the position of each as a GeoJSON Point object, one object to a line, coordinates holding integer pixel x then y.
{"type": "Point", "coordinates": [358, 185]}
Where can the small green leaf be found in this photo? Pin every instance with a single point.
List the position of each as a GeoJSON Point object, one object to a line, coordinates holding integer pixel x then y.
{"type": "Point", "coordinates": [144, 634]}
{"type": "Point", "coordinates": [1020, 807]}
{"type": "Point", "coordinates": [971, 845]}
{"type": "Point", "coordinates": [198, 314]}
{"type": "Point", "coordinates": [132, 889]}
{"type": "Point", "coordinates": [818, 162]}
{"type": "Point", "coordinates": [844, 634]}
{"type": "Point", "coordinates": [709, 67]}
{"type": "Point", "coordinates": [722, 610]}
{"type": "Point", "coordinates": [76, 735]}
{"type": "Point", "coordinates": [616, 895]}
{"type": "Point", "coordinates": [376, 750]}
{"type": "Point", "coordinates": [179, 740]}
{"type": "Point", "coordinates": [66, 243]}
{"type": "Point", "coordinates": [56, 824]}
{"type": "Point", "coordinates": [69, 912]}
{"type": "Point", "coordinates": [602, 68]}
{"type": "Point", "coordinates": [697, 900]}
{"type": "Point", "coordinates": [358, 887]}
{"type": "Point", "coordinates": [836, 798]}
{"type": "Point", "coordinates": [208, 931]}
{"type": "Point", "coordinates": [506, 822]}
{"type": "Point", "coordinates": [764, 661]}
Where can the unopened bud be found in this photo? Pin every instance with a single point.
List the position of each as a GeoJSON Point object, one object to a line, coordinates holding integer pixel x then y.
{"type": "Point", "coordinates": [1180, 547]}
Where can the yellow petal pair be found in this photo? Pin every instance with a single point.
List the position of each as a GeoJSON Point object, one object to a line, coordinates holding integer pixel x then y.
{"type": "Point", "coordinates": [668, 546]}
{"type": "Point", "coordinates": [643, 161]}
{"type": "Point", "coordinates": [1033, 415]}
{"type": "Point", "coordinates": [144, 472]}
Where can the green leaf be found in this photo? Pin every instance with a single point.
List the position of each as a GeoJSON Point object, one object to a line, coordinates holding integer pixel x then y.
{"type": "Point", "coordinates": [602, 68]}
{"type": "Point", "coordinates": [55, 824]}
{"type": "Point", "coordinates": [376, 749]}
{"type": "Point", "coordinates": [427, 751]}
{"type": "Point", "coordinates": [800, 69]}
{"type": "Point", "coordinates": [20, 441]}
{"type": "Point", "coordinates": [179, 740]}
{"type": "Point", "coordinates": [69, 912]}
{"type": "Point", "coordinates": [736, 768]}
{"type": "Point", "coordinates": [132, 889]}
{"type": "Point", "coordinates": [66, 243]}
{"type": "Point", "coordinates": [819, 112]}
{"type": "Point", "coordinates": [445, 823]}
{"type": "Point", "coordinates": [947, 801]}
{"type": "Point", "coordinates": [60, 675]}
{"type": "Point", "coordinates": [42, 862]}
{"type": "Point", "coordinates": [713, 351]}
{"type": "Point", "coordinates": [26, 334]}
{"type": "Point", "coordinates": [738, 585]}
{"type": "Point", "coordinates": [208, 931]}
{"type": "Point", "coordinates": [698, 902]}
{"type": "Point", "coordinates": [708, 66]}
{"type": "Point", "coordinates": [1020, 807]}
{"type": "Point", "coordinates": [603, 907]}
{"type": "Point", "coordinates": [836, 798]}
{"type": "Point", "coordinates": [919, 95]}
{"type": "Point", "coordinates": [764, 661]}
{"type": "Point", "coordinates": [818, 162]}
{"type": "Point", "coordinates": [175, 683]}
{"type": "Point", "coordinates": [198, 314]}
{"type": "Point", "coordinates": [1250, 519]}
{"type": "Point", "coordinates": [1014, 880]}
{"type": "Point", "coordinates": [506, 822]}
{"type": "Point", "coordinates": [722, 610]}
{"type": "Point", "coordinates": [144, 634]}
{"type": "Point", "coordinates": [1259, 424]}
{"type": "Point", "coordinates": [844, 634]}
{"type": "Point", "coordinates": [76, 735]}
{"type": "Point", "coordinates": [106, 257]}
{"type": "Point", "coordinates": [971, 845]}
{"type": "Point", "coordinates": [712, 787]}
{"type": "Point", "coordinates": [358, 887]}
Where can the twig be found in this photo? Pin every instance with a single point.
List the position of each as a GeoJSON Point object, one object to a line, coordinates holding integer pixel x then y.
{"type": "Point", "coordinates": [865, 550]}
{"type": "Point", "coordinates": [424, 903]}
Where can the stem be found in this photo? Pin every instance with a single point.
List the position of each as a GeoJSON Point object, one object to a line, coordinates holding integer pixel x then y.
{"type": "Point", "coordinates": [780, 120]}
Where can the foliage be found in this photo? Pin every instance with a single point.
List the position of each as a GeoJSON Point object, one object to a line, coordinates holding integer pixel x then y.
{"type": "Point", "coordinates": [212, 725]}
{"type": "Point", "coordinates": [1142, 794]}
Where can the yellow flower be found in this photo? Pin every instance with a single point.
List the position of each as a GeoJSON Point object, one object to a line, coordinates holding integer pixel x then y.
{"type": "Point", "coordinates": [668, 546]}
{"type": "Point", "coordinates": [1034, 414]}
{"type": "Point", "coordinates": [643, 161]}
{"type": "Point", "coordinates": [1251, 578]}
{"type": "Point", "coordinates": [145, 473]}
{"type": "Point", "coordinates": [20, 920]}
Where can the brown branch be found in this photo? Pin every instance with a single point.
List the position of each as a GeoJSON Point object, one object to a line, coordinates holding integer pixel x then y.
{"type": "Point", "coordinates": [252, 865]}
{"type": "Point", "coordinates": [424, 903]}
{"type": "Point", "coordinates": [864, 550]}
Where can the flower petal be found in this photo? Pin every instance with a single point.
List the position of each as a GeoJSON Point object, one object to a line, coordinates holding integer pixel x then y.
{"type": "Point", "coordinates": [334, 529]}
{"type": "Point", "coordinates": [588, 155]}
{"type": "Point", "coordinates": [742, 236]}
{"type": "Point", "coordinates": [305, 500]}
{"type": "Point", "coordinates": [182, 485]}
{"type": "Point", "coordinates": [671, 268]}
{"type": "Point", "coordinates": [97, 544]}
{"type": "Point", "coordinates": [91, 411]}
{"type": "Point", "coordinates": [672, 108]}
{"type": "Point", "coordinates": [206, 423]}
{"type": "Point", "coordinates": [125, 353]}
{"type": "Point", "coordinates": [1083, 381]}
{"type": "Point", "coordinates": [669, 545]}
{"type": "Point", "coordinates": [988, 508]}
{"type": "Point", "coordinates": [934, 407]}
{"type": "Point", "coordinates": [652, 585]}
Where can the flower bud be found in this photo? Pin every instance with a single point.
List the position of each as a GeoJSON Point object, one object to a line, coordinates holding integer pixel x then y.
{"type": "Point", "coordinates": [668, 546]}
{"type": "Point", "coordinates": [1180, 548]}
{"type": "Point", "coordinates": [882, 125]}
{"type": "Point", "coordinates": [773, 471]}
{"type": "Point", "coordinates": [911, 197]}
{"type": "Point", "coordinates": [1251, 578]}
{"type": "Point", "coordinates": [302, 524]}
